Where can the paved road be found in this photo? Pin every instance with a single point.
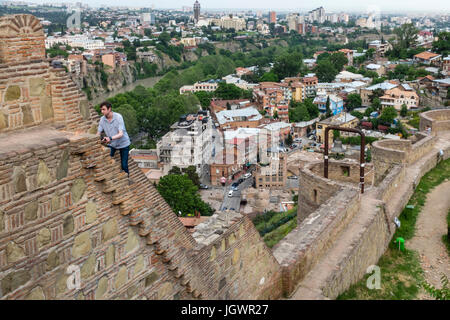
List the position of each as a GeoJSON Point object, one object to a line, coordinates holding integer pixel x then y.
{"type": "Point", "coordinates": [235, 200]}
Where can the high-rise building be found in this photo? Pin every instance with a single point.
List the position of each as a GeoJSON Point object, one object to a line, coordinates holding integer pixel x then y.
{"type": "Point", "coordinates": [272, 17]}
{"type": "Point", "coordinates": [196, 11]}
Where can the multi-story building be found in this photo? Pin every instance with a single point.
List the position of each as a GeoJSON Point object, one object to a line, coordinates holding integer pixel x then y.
{"type": "Point", "coordinates": [343, 119]}
{"type": "Point", "coordinates": [239, 118]}
{"type": "Point", "coordinates": [336, 103]}
{"type": "Point", "coordinates": [208, 86]}
{"type": "Point", "coordinates": [349, 55]}
{"type": "Point", "coordinates": [272, 172]}
{"type": "Point", "coordinates": [427, 57]}
{"type": "Point", "coordinates": [229, 22]}
{"type": "Point", "coordinates": [380, 48]}
{"type": "Point", "coordinates": [272, 17]}
{"type": "Point", "coordinates": [396, 97]}
{"type": "Point", "coordinates": [367, 92]}
{"type": "Point", "coordinates": [274, 98]}
{"type": "Point", "coordinates": [196, 11]}
{"type": "Point", "coordinates": [189, 143]}
{"type": "Point", "coordinates": [310, 83]}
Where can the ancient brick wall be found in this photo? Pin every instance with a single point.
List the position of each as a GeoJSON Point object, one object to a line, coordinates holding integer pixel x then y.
{"type": "Point", "coordinates": [313, 191]}
{"type": "Point", "coordinates": [438, 120]}
{"type": "Point", "coordinates": [65, 203]}
{"type": "Point", "coordinates": [345, 171]}
{"type": "Point", "coordinates": [303, 247]}
{"type": "Point", "coordinates": [363, 252]}
{"type": "Point", "coordinates": [31, 92]}
{"type": "Point", "coordinates": [239, 265]}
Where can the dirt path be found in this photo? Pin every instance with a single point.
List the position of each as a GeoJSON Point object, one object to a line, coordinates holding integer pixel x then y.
{"type": "Point", "coordinates": [430, 226]}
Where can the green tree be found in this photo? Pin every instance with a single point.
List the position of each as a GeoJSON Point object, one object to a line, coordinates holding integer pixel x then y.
{"type": "Point", "coordinates": [204, 98]}
{"type": "Point", "coordinates": [388, 115]}
{"type": "Point", "coordinates": [129, 117]}
{"type": "Point", "coordinates": [192, 175]}
{"type": "Point", "coordinates": [328, 110]}
{"type": "Point", "coordinates": [182, 195]}
{"type": "Point", "coordinates": [442, 45]}
{"type": "Point", "coordinates": [338, 60]}
{"type": "Point", "coordinates": [376, 104]}
{"type": "Point", "coordinates": [404, 110]}
{"type": "Point", "coordinates": [353, 101]}
{"type": "Point", "coordinates": [175, 170]}
{"type": "Point", "coordinates": [325, 71]}
{"type": "Point", "coordinates": [269, 77]}
{"type": "Point", "coordinates": [288, 65]}
{"type": "Point", "coordinates": [406, 35]}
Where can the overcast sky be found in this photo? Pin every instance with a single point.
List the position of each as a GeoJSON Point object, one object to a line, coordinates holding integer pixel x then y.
{"type": "Point", "coordinates": [441, 6]}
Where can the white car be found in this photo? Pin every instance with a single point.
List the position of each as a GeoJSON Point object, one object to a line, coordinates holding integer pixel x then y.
{"type": "Point", "coordinates": [247, 175]}
{"type": "Point", "coordinates": [230, 194]}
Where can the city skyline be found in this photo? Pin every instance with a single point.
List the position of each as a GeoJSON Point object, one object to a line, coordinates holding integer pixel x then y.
{"type": "Point", "coordinates": [384, 6]}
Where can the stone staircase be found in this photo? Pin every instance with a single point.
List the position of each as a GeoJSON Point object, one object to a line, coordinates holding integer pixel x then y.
{"type": "Point", "coordinates": [132, 201]}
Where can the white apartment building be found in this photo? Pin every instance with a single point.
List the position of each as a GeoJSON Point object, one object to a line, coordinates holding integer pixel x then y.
{"type": "Point", "coordinates": [209, 86]}
{"type": "Point", "coordinates": [189, 143]}
{"type": "Point", "coordinates": [227, 22]}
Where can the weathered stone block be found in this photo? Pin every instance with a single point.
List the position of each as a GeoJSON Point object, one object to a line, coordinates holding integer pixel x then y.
{"type": "Point", "coordinates": [2, 221]}
{"type": "Point", "coordinates": [31, 210]}
{"type": "Point", "coordinates": [19, 180]}
{"type": "Point", "coordinates": [46, 108]}
{"type": "Point", "coordinates": [52, 260]}
{"type": "Point", "coordinates": [84, 109]}
{"type": "Point", "coordinates": [109, 256]}
{"type": "Point", "coordinates": [92, 129]}
{"type": "Point", "coordinates": [213, 254]}
{"type": "Point", "coordinates": [91, 212]}
{"type": "Point", "coordinates": [36, 294]}
{"type": "Point", "coordinates": [14, 280]}
{"type": "Point", "coordinates": [63, 166]}
{"type": "Point", "coordinates": [139, 266]}
{"type": "Point", "coordinates": [110, 229]}
{"type": "Point", "coordinates": [56, 202]}
{"type": "Point", "coordinates": [78, 189]}
{"type": "Point", "coordinates": [121, 277]}
{"type": "Point", "coordinates": [68, 225]}
{"type": "Point", "coordinates": [43, 237]}
{"type": "Point", "coordinates": [132, 241]}
{"type": "Point", "coordinates": [236, 256]}
{"type": "Point", "coordinates": [82, 244]}
{"type": "Point", "coordinates": [165, 290]}
{"type": "Point", "coordinates": [152, 277]}
{"type": "Point", "coordinates": [88, 267]}
{"type": "Point", "coordinates": [102, 288]}
{"type": "Point", "coordinates": [12, 93]}
{"type": "Point", "coordinates": [3, 121]}
{"type": "Point", "coordinates": [43, 175]}
{"type": "Point", "coordinates": [27, 115]}
{"type": "Point", "coordinates": [37, 86]}
{"type": "Point", "coordinates": [14, 252]}
{"type": "Point", "coordinates": [61, 284]}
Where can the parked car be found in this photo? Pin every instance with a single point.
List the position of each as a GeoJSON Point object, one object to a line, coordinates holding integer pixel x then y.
{"type": "Point", "coordinates": [240, 181]}
{"type": "Point", "coordinates": [293, 177]}
{"type": "Point", "coordinates": [203, 186]}
{"type": "Point", "coordinates": [230, 194]}
{"type": "Point", "coordinates": [297, 140]}
{"type": "Point", "coordinates": [247, 175]}
{"type": "Point", "coordinates": [294, 146]}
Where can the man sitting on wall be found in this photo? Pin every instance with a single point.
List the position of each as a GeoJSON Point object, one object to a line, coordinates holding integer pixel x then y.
{"type": "Point", "coordinates": [116, 136]}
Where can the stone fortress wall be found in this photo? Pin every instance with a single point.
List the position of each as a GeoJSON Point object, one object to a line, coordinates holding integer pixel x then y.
{"type": "Point", "coordinates": [65, 202]}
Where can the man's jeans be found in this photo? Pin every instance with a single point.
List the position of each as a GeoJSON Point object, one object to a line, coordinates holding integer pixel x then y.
{"type": "Point", "coordinates": [123, 157]}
